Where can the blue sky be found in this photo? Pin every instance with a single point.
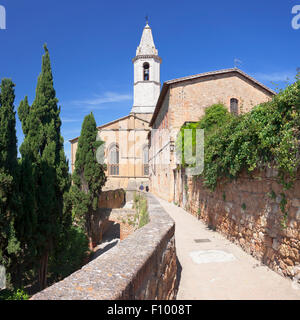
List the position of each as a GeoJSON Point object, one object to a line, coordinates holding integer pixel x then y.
{"type": "Point", "coordinates": [92, 42]}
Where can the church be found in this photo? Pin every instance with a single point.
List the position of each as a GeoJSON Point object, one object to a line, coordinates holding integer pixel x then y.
{"type": "Point", "coordinates": [133, 152]}
{"type": "Point", "coordinates": [126, 145]}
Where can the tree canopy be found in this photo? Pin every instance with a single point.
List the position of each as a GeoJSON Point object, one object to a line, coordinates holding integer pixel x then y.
{"type": "Point", "coordinates": [89, 175]}
{"type": "Point", "coordinates": [44, 165]}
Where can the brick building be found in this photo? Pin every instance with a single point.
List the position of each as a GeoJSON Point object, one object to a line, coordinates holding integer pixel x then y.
{"type": "Point", "coordinates": [184, 100]}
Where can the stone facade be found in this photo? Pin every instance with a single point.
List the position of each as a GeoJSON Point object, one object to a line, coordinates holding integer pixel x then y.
{"type": "Point", "coordinates": [247, 211]}
{"type": "Point", "coordinates": [150, 273]}
{"type": "Point", "coordinates": [130, 135]}
{"type": "Point", "coordinates": [184, 100]}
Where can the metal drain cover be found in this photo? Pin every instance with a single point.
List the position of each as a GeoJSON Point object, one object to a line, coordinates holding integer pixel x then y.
{"type": "Point", "coordinates": [201, 240]}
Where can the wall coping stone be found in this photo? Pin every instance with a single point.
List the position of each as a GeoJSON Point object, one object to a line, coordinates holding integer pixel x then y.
{"type": "Point", "coordinates": [117, 273]}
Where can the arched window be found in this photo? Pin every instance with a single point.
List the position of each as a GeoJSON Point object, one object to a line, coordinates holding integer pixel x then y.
{"type": "Point", "coordinates": [146, 160]}
{"type": "Point", "coordinates": [113, 160]}
{"type": "Point", "coordinates": [146, 71]}
{"type": "Point", "coordinates": [234, 106]}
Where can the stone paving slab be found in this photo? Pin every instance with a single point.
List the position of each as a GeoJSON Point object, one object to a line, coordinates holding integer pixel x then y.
{"type": "Point", "coordinates": [213, 268]}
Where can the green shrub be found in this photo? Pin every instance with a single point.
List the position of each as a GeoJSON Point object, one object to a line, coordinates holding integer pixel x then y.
{"type": "Point", "coordinates": [144, 216]}
{"type": "Point", "coordinates": [70, 254]}
{"type": "Point", "coordinates": [215, 116]}
{"type": "Point", "coordinates": [141, 209]}
{"type": "Point", "coordinates": [268, 135]}
{"type": "Point", "coordinates": [18, 294]}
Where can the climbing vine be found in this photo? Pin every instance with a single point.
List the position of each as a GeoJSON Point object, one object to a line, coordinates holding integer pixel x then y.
{"type": "Point", "coordinates": [268, 136]}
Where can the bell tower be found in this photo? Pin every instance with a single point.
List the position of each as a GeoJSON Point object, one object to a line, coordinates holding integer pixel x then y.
{"type": "Point", "coordinates": [146, 66]}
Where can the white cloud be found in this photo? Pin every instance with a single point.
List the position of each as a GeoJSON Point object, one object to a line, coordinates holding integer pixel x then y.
{"type": "Point", "coordinates": [69, 120]}
{"type": "Point", "coordinates": [70, 131]}
{"type": "Point", "coordinates": [99, 100]}
{"type": "Point", "coordinates": [275, 76]}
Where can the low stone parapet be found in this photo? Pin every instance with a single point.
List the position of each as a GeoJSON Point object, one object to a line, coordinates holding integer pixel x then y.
{"type": "Point", "coordinates": [143, 266]}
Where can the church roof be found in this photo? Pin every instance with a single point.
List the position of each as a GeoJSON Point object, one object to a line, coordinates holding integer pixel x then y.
{"type": "Point", "coordinates": [102, 126]}
{"type": "Point", "coordinates": [147, 46]}
{"type": "Point", "coordinates": [166, 85]}
{"type": "Point", "coordinates": [112, 122]}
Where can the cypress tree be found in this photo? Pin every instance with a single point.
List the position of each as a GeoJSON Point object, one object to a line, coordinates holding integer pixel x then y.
{"type": "Point", "coordinates": [45, 166]}
{"type": "Point", "coordinates": [27, 221]}
{"type": "Point", "coordinates": [88, 177]}
{"type": "Point", "coordinates": [9, 245]}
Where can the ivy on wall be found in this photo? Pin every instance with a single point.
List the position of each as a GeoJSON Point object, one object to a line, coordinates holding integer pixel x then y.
{"type": "Point", "coordinates": [268, 136]}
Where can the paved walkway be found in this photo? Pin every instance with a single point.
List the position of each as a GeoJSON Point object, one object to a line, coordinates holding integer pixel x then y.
{"type": "Point", "coordinates": [215, 268]}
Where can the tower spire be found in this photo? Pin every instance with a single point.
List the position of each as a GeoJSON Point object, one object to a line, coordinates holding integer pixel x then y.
{"type": "Point", "coordinates": [147, 45]}
{"type": "Point", "coordinates": [146, 74]}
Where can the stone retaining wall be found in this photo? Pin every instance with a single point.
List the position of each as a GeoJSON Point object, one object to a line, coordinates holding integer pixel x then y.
{"type": "Point", "coordinates": [247, 211]}
{"type": "Point", "coordinates": [105, 218]}
{"type": "Point", "coordinates": [112, 199]}
{"type": "Point", "coordinates": [143, 266]}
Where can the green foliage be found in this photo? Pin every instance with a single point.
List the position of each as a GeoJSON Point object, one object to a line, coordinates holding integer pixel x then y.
{"type": "Point", "coordinates": [18, 294]}
{"type": "Point", "coordinates": [224, 196]}
{"type": "Point", "coordinates": [8, 139]}
{"type": "Point", "coordinates": [144, 215]}
{"type": "Point", "coordinates": [198, 213]}
{"type": "Point", "coordinates": [89, 176]}
{"type": "Point", "coordinates": [215, 117]}
{"type": "Point", "coordinates": [272, 195]}
{"type": "Point", "coordinates": [268, 136]}
{"type": "Point", "coordinates": [135, 199]}
{"type": "Point", "coordinates": [44, 164]}
{"type": "Point", "coordinates": [9, 193]}
{"type": "Point", "coordinates": [70, 254]}
{"type": "Point", "coordinates": [282, 206]}
{"type": "Point", "coordinates": [141, 208]}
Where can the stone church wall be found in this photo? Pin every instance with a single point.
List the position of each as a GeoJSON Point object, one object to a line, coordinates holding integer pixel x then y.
{"type": "Point", "coordinates": [247, 211]}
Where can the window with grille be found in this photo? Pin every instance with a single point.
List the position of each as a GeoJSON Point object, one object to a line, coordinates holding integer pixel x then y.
{"type": "Point", "coordinates": [146, 161]}
{"type": "Point", "coordinates": [113, 160]}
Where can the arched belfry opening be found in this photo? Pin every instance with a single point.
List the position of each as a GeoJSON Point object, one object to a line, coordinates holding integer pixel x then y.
{"type": "Point", "coordinates": [146, 71]}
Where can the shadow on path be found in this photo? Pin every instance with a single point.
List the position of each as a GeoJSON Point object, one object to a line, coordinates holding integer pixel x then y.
{"type": "Point", "coordinates": [178, 274]}
{"type": "Point", "coordinates": [102, 250]}
{"type": "Point", "coordinates": [110, 239]}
